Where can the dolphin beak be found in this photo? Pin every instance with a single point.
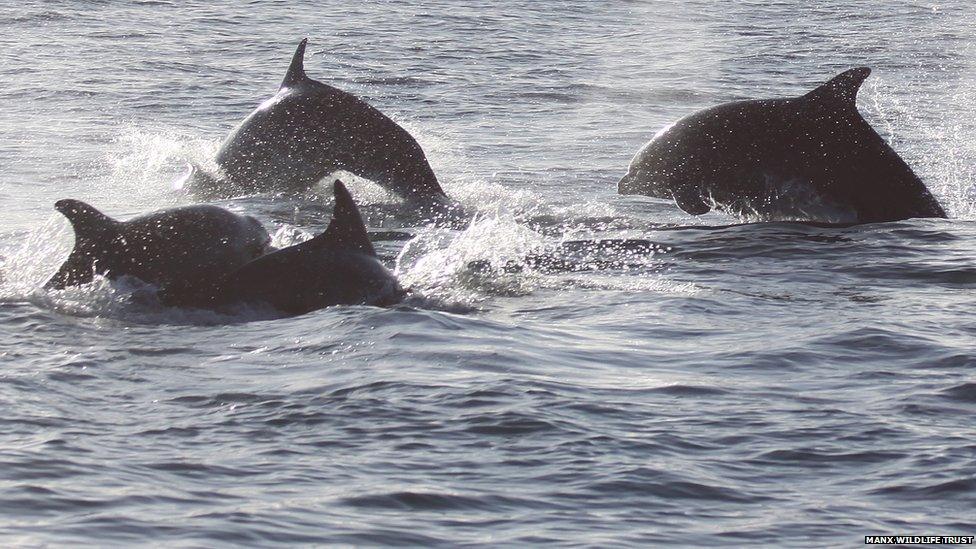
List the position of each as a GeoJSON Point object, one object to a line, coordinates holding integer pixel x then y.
{"type": "Point", "coordinates": [626, 185]}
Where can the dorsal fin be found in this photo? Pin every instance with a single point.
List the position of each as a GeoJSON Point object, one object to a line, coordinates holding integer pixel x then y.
{"type": "Point", "coordinates": [90, 225]}
{"type": "Point", "coordinates": [841, 89]}
{"type": "Point", "coordinates": [296, 71]}
{"type": "Point", "coordinates": [346, 230]}
{"type": "Point", "coordinates": [93, 233]}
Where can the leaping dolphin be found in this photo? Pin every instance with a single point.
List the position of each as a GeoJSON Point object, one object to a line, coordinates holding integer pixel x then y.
{"type": "Point", "coordinates": [179, 247]}
{"type": "Point", "coordinates": [308, 130]}
{"type": "Point", "coordinates": [809, 158]}
{"type": "Point", "coordinates": [337, 267]}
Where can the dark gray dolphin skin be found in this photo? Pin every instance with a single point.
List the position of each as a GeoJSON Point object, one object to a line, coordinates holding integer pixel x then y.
{"type": "Point", "coordinates": [309, 130]}
{"type": "Point", "coordinates": [809, 158]}
{"type": "Point", "coordinates": [337, 267]}
{"type": "Point", "coordinates": [170, 248]}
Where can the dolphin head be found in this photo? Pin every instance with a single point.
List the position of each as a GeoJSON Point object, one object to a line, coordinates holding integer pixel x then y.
{"type": "Point", "coordinates": [653, 167]}
{"type": "Point", "coordinates": [645, 175]}
{"type": "Point", "coordinates": [630, 183]}
{"type": "Point", "coordinates": [640, 180]}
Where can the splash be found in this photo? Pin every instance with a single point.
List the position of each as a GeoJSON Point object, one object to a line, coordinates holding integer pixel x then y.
{"type": "Point", "coordinates": [142, 155]}
{"type": "Point", "coordinates": [289, 235]}
{"type": "Point", "coordinates": [147, 162]}
{"type": "Point", "coordinates": [28, 265]}
{"type": "Point", "coordinates": [36, 255]}
{"type": "Point", "coordinates": [468, 267]}
{"type": "Point", "coordinates": [497, 256]}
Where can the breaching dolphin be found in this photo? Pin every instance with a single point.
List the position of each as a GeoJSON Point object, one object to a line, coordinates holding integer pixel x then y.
{"type": "Point", "coordinates": [337, 267]}
{"type": "Point", "coordinates": [172, 248]}
{"type": "Point", "coordinates": [808, 158]}
{"type": "Point", "coordinates": [308, 130]}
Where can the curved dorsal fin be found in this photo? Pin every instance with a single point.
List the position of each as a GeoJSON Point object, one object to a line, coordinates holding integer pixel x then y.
{"type": "Point", "coordinates": [93, 233]}
{"type": "Point", "coordinates": [842, 88]}
{"type": "Point", "coordinates": [90, 225]}
{"type": "Point", "coordinates": [346, 231]}
{"type": "Point", "coordinates": [296, 71]}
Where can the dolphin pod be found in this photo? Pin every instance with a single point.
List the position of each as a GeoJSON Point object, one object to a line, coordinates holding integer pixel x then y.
{"type": "Point", "coordinates": [808, 158]}
{"type": "Point", "coordinates": [309, 130]}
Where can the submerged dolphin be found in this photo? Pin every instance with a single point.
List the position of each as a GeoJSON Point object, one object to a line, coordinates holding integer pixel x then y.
{"type": "Point", "coordinates": [309, 130]}
{"type": "Point", "coordinates": [811, 158]}
{"type": "Point", "coordinates": [169, 248]}
{"type": "Point", "coordinates": [337, 267]}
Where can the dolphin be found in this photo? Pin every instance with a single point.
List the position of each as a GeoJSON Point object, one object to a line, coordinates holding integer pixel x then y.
{"type": "Point", "coordinates": [807, 158]}
{"type": "Point", "coordinates": [337, 267]}
{"type": "Point", "coordinates": [308, 130]}
{"type": "Point", "coordinates": [170, 248]}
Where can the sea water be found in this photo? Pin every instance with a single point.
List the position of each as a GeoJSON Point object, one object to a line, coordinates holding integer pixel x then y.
{"type": "Point", "coordinates": [704, 381]}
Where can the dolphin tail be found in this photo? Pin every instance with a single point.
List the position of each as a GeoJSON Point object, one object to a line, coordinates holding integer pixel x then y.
{"type": "Point", "coordinates": [346, 230]}
{"type": "Point", "coordinates": [93, 229]}
{"type": "Point", "coordinates": [841, 89]}
{"type": "Point", "coordinates": [296, 71]}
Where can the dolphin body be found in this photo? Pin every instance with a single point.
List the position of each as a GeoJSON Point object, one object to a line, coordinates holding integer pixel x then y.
{"type": "Point", "coordinates": [808, 158]}
{"type": "Point", "coordinates": [337, 267]}
{"type": "Point", "coordinates": [309, 130]}
{"type": "Point", "coordinates": [170, 248]}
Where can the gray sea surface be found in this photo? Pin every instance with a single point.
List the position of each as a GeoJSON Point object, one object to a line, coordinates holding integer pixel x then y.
{"type": "Point", "coordinates": [699, 381]}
